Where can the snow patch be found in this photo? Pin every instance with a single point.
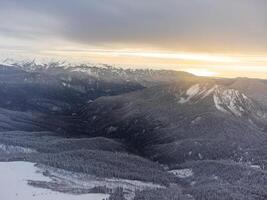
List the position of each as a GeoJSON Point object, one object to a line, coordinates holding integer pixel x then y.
{"type": "Point", "coordinates": [195, 89]}
{"type": "Point", "coordinates": [255, 166]}
{"type": "Point", "coordinates": [197, 92]}
{"type": "Point", "coordinates": [9, 149]}
{"type": "Point", "coordinates": [190, 93]}
{"type": "Point", "coordinates": [182, 173]}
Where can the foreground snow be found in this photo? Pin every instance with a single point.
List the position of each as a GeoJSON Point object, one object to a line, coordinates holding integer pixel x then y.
{"type": "Point", "coordinates": [13, 184]}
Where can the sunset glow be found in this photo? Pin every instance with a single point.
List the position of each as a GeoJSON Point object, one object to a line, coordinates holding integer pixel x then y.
{"type": "Point", "coordinates": [202, 64]}
{"type": "Point", "coordinates": [201, 72]}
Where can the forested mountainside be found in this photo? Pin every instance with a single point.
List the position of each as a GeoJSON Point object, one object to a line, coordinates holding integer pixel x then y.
{"type": "Point", "coordinates": [174, 135]}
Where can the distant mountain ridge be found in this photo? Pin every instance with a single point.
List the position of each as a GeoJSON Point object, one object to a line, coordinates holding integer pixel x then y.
{"type": "Point", "coordinates": [146, 77]}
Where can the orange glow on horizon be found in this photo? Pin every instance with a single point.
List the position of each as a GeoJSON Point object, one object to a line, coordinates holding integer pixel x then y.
{"type": "Point", "coordinates": [201, 64]}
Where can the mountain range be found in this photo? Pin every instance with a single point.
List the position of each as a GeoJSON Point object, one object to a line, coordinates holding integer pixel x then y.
{"type": "Point", "coordinates": [142, 124]}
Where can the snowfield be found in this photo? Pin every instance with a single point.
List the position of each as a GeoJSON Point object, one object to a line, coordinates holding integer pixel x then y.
{"type": "Point", "coordinates": [14, 184]}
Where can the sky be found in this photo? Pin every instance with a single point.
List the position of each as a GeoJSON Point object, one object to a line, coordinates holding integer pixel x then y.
{"type": "Point", "coordinates": [226, 38]}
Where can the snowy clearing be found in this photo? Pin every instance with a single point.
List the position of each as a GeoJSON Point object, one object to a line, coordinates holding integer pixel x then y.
{"type": "Point", "coordinates": [14, 184]}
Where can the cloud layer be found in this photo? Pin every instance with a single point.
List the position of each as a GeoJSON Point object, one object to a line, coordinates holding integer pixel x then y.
{"type": "Point", "coordinates": [180, 25]}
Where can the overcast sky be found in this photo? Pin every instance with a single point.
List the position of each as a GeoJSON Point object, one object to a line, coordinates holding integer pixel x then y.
{"type": "Point", "coordinates": [190, 26]}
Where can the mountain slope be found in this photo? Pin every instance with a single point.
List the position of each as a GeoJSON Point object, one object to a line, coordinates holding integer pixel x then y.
{"type": "Point", "coordinates": [180, 122]}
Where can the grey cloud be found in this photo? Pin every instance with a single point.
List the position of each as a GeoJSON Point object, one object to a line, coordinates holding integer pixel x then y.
{"type": "Point", "coordinates": [171, 24]}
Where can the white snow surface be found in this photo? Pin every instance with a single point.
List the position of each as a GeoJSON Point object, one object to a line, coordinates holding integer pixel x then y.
{"type": "Point", "coordinates": [14, 186]}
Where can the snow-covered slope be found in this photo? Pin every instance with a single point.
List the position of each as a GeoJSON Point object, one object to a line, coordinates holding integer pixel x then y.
{"type": "Point", "coordinates": [237, 103]}
{"type": "Point", "coordinates": [225, 99]}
